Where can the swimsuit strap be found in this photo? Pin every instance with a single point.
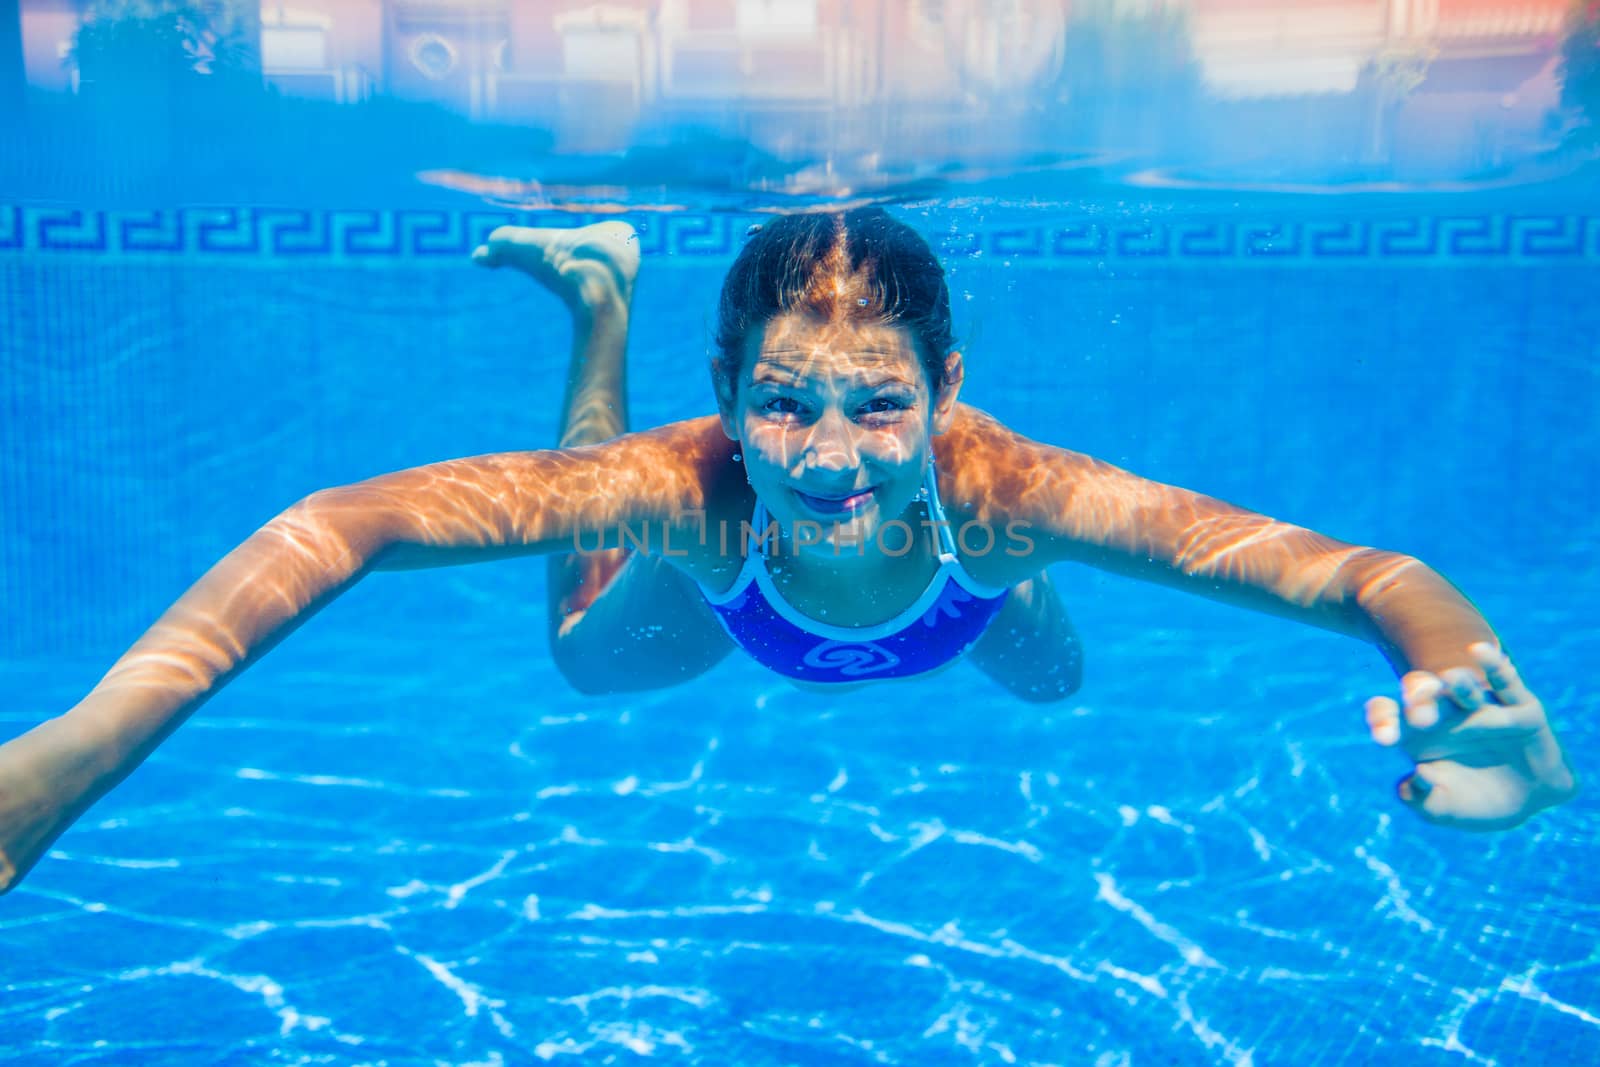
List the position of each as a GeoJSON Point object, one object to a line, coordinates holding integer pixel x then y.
{"type": "Point", "coordinates": [947, 537]}
{"type": "Point", "coordinates": [758, 526]}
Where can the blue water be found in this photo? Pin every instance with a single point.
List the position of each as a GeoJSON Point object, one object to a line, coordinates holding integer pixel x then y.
{"type": "Point", "coordinates": [401, 839]}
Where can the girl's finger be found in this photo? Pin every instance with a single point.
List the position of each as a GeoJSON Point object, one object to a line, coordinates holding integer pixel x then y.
{"type": "Point", "coordinates": [1383, 720]}
{"type": "Point", "coordinates": [1421, 690]}
{"type": "Point", "coordinates": [1414, 789]}
{"type": "Point", "coordinates": [1502, 674]}
{"type": "Point", "coordinates": [1465, 689]}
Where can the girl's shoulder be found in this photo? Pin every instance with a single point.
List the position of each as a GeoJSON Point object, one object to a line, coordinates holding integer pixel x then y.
{"type": "Point", "coordinates": [980, 458]}
{"type": "Point", "coordinates": [691, 445]}
{"type": "Point", "coordinates": [697, 482]}
{"type": "Point", "coordinates": [1000, 489]}
{"type": "Point", "coordinates": [686, 465]}
{"type": "Point", "coordinates": [684, 469]}
{"type": "Point", "coordinates": [983, 462]}
{"type": "Point", "coordinates": [698, 452]}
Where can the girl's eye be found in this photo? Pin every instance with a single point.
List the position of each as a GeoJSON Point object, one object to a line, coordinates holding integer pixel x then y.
{"type": "Point", "coordinates": [782, 405]}
{"type": "Point", "coordinates": [880, 405]}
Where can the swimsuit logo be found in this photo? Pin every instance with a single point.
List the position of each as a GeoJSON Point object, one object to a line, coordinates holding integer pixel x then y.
{"type": "Point", "coordinates": [948, 605]}
{"type": "Point", "coordinates": [851, 658]}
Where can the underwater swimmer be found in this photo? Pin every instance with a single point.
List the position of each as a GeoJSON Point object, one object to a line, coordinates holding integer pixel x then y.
{"type": "Point", "coordinates": [907, 530]}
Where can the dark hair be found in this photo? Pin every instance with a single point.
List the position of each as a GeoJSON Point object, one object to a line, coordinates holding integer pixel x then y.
{"type": "Point", "coordinates": [859, 264]}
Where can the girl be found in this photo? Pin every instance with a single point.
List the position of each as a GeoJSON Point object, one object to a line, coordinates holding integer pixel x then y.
{"type": "Point", "coordinates": [842, 518]}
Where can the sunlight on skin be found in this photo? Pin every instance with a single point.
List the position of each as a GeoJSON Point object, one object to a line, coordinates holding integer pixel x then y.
{"type": "Point", "coordinates": [1031, 650]}
{"type": "Point", "coordinates": [829, 409]}
{"type": "Point", "coordinates": [1079, 508]}
{"type": "Point", "coordinates": [582, 265]}
{"type": "Point", "coordinates": [591, 269]}
{"type": "Point", "coordinates": [1489, 771]}
{"type": "Point", "coordinates": [824, 410]}
{"type": "Point", "coordinates": [464, 510]}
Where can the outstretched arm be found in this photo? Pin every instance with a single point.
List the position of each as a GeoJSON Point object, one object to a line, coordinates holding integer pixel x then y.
{"type": "Point", "coordinates": [1487, 758]}
{"type": "Point", "coordinates": [457, 512]}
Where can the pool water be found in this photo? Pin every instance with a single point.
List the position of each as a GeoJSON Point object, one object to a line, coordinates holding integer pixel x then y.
{"type": "Point", "coordinates": [402, 839]}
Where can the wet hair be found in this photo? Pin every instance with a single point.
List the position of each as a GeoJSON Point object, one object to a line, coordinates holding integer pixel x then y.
{"type": "Point", "coordinates": [859, 265]}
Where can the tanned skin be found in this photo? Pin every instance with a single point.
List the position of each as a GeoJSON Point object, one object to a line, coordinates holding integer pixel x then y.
{"type": "Point", "coordinates": [1487, 757]}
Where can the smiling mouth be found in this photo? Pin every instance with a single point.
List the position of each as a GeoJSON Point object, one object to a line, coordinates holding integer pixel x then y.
{"type": "Point", "coordinates": [835, 505]}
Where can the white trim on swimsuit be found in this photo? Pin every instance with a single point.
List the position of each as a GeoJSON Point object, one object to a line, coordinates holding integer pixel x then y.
{"type": "Point", "coordinates": [950, 566]}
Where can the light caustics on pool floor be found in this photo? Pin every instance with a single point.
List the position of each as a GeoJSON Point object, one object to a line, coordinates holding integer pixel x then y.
{"type": "Point", "coordinates": [348, 864]}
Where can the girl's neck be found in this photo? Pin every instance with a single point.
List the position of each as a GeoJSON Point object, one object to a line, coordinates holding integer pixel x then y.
{"type": "Point", "coordinates": [851, 587]}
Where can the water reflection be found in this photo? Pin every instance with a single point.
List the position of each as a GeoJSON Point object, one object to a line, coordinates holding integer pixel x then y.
{"type": "Point", "coordinates": [1213, 91]}
{"type": "Point", "coordinates": [1580, 76]}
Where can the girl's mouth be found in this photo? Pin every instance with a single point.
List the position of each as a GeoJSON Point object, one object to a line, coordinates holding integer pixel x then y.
{"type": "Point", "coordinates": [836, 505]}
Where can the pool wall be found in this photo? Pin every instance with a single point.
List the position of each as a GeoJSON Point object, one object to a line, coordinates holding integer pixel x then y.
{"type": "Point", "coordinates": [1417, 373]}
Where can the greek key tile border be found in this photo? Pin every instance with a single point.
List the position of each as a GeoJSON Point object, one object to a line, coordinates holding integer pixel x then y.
{"type": "Point", "coordinates": [373, 235]}
{"type": "Point", "coordinates": [1420, 239]}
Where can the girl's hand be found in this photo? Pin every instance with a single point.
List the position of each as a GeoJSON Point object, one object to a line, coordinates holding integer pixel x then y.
{"type": "Point", "coordinates": [1486, 757]}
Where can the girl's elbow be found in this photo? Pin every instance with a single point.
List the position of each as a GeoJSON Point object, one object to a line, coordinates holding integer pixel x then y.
{"type": "Point", "coordinates": [348, 521]}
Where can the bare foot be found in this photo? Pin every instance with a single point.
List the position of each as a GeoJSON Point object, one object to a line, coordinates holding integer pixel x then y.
{"type": "Point", "coordinates": [584, 266]}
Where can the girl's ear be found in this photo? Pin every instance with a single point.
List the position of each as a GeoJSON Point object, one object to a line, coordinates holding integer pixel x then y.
{"type": "Point", "coordinates": [944, 401]}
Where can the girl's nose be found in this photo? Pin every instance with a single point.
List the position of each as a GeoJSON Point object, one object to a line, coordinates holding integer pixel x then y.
{"type": "Point", "coordinates": [831, 444]}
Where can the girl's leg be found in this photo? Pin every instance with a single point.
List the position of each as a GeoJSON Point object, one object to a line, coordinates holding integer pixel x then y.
{"type": "Point", "coordinates": [619, 620]}
{"type": "Point", "coordinates": [1031, 648]}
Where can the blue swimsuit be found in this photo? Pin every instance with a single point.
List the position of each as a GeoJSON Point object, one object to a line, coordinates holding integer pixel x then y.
{"type": "Point", "coordinates": [946, 620]}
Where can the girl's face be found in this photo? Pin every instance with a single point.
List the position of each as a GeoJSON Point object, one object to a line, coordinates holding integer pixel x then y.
{"type": "Point", "coordinates": [835, 422]}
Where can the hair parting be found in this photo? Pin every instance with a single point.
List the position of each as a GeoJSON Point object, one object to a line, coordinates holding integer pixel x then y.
{"type": "Point", "coordinates": [858, 265]}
